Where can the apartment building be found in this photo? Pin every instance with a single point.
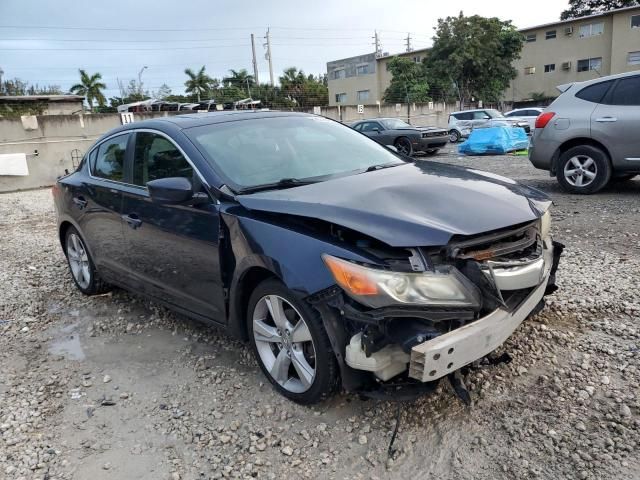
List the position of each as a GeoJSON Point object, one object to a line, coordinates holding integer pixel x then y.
{"type": "Point", "coordinates": [362, 80]}
{"type": "Point", "coordinates": [576, 50]}
{"type": "Point", "coordinates": [552, 54]}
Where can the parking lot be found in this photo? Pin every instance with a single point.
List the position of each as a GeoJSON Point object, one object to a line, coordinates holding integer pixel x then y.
{"type": "Point", "coordinates": [114, 386]}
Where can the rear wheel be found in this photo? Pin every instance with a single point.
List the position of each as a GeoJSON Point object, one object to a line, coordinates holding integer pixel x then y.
{"type": "Point", "coordinates": [290, 344]}
{"type": "Point", "coordinates": [403, 145]}
{"type": "Point", "coordinates": [584, 169]}
{"type": "Point", "coordinates": [454, 136]}
{"type": "Point", "coordinates": [83, 270]}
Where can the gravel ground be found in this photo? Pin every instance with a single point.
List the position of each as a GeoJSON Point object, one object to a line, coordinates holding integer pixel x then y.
{"type": "Point", "coordinates": [117, 387]}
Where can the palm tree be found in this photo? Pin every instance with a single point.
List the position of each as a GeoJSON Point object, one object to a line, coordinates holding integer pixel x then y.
{"type": "Point", "coordinates": [293, 83]}
{"type": "Point", "coordinates": [91, 87]}
{"type": "Point", "coordinates": [239, 78]}
{"type": "Point", "coordinates": [198, 83]}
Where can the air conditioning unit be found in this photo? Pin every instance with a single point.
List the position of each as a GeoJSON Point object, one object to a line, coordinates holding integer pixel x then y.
{"type": "Point", "coordinates": [568, 31]}
{"type": "Point", "coordinates": [566, 66]}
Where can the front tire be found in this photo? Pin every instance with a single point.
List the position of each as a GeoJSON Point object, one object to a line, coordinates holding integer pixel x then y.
{"type": "Point", "coordinates": [83, 270]}
{"type": "Point", "coordinates": [583, 170]}
{"type": "Point", "coordinates": [403, 145]}
{"type": "Point", "coordinates": [290, 344]}
{"type": "Point", "coordinates": [454, 136]}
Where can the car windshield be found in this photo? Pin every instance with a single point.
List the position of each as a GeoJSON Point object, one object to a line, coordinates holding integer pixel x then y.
{"type": "Point", "coordinates": [394, 123]}
{"type": "Point", "coordinates": [262, 151]}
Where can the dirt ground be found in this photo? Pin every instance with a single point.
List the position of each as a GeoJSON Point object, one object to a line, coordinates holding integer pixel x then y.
{"type": "Point", "coordinates": [116, 387]}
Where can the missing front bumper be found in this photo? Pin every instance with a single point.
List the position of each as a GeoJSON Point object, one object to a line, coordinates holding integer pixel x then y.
{"type": "Point", "coordinates": [442, 355]}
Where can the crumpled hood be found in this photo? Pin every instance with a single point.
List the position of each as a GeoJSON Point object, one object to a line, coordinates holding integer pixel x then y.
{"type": "Point", "coordinates": [417, 204]}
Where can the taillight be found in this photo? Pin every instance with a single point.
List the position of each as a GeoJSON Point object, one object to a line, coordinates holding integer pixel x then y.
{"type": "Point", "coordinates": [543, 119]}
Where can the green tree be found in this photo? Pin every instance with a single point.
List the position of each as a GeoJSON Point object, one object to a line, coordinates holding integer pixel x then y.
{"type": "Point", "coordinates": [475, 54]}
{"type": "Point", "coordinates": [581, 8]}
{"type": "Point", "coordinates": [91, 87]}
{"type": "Point", "coordinates": [240, 79]}
{"type": "Point", "coordinates": [408, 82]}
{"type": "Point", "coordinates": [163, 92]}
{"type": "Point", "coordinates": [198, 84]}
{"type": "Point", "coordinates": [302, 90]}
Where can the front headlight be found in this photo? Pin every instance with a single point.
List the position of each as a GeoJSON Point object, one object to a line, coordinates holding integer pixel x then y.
{"type": "Point", "coordinates": [545, 225]}
{"type": "Point", "coordinates": [444, 287]}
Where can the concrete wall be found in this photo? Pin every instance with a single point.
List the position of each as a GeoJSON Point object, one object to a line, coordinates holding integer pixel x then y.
{"type": "Point", "coordinates": [54, 137]}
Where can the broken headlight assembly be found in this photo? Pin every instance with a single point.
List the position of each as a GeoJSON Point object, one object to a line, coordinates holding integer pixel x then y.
{"type": "Point", "coordinates": [545, 225]}
{"type": "Point", "coordinates": [443, 286]}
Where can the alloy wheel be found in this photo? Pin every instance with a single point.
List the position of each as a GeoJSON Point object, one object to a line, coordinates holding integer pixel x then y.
{"type": "Point", "coordinates": [78, 260]}
{"type": "Point", "coordinates": [454, 136]}
{"type": "Point", "coordinates": [580, 171]}
{"type": "Point", "coordinates": [404, 146]}
{"type": "Point", "coordinates": [284, 343]}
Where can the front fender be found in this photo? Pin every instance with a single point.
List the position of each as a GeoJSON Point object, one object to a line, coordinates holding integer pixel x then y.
{"type": "Point", "coordinates": [288, 253]}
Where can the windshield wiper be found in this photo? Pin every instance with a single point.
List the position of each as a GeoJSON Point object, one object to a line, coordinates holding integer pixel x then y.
{"type": "Point", "coordinates": [373, 168]}
{"type": "Point", "coordinates": [280, 184]}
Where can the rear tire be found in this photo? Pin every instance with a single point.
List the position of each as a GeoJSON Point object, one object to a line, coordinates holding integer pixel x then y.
{"type": "Point", "coordinates": [584, 170]}
{"type": "Point", "coordinates": [83, 270]}
{"type": "Point", "coordinates": [290, 344]}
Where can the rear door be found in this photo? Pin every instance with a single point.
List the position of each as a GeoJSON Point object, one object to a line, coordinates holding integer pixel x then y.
{"type": "Point", "coordinates": [615, 122]}
{"type": "Point", "coordinates": [173, 249]}
{"type": "Point", "coordinates": [97, 204]}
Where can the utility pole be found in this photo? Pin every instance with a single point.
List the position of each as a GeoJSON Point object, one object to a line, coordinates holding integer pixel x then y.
{"type": "Point", "coordinates": [255, 63]}
{"type": "Point", "coordinates": [1, 86]}
{"type": "Point", "coordinates": [140, 79]}
{"type": "Point", "coordinates": [408, 42]}
{"type": "Point", "coordinates": [377, 44]}
{"type": "Point", "coordinates": [268, 56]}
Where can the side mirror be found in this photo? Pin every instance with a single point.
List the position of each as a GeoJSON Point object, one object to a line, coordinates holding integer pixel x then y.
{"type": "Point", "coordinates": [170, 191]}
{"type": "Point", "coordinates": [377, 130]}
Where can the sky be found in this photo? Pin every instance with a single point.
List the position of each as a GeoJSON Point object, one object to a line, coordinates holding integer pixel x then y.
{"type": "Point", "coordinates": [47, 41]}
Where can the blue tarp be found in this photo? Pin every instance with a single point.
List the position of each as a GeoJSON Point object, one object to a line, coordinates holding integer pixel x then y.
{"type": "Point", "coordinates": [494, 141]}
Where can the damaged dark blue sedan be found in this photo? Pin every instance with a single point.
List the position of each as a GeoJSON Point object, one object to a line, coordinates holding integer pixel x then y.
{"type": "Point", "coordinates": [343, 263]}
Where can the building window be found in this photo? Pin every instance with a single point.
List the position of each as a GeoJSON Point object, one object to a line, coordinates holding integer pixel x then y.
{"type": "Point", "coordinates": [635, 21]}
{"type": "Point", "coordinates": [363, 95]}
{"type": "Point", "coordinates": [633, 58]}
{"type": "Point", "coordinates": [339, 73]}
{"type": "Point", "coordinates": [362, 69]}
{"type": "Point", "coordinates": [590, 64]}
{"type": "Point", "coordinates": [550, 34]}
{"type": "Point", "coordinates": [341, 97]}
{"type": "Point", "coordinates": [591, 29]}
{"type": "Point", "coordinates": [529, 70]}
{"type": "Point", "coordinates": [551, 67]}
{"type": "Point", "coordinates": [416, 59]}
{"type": "Point", "coordinates": [531, 37]}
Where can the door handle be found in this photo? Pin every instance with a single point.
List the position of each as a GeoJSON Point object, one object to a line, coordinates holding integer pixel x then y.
{"type": "Point", "coordinates": [132, 220]}
{"type": "Point", "coordinates": [606, 119]}
{"type": "Point", "coordinates": [80, 202]}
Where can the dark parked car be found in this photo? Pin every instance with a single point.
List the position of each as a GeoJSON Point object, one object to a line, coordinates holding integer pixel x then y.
{"type": "Point", "coordinates": [342, 263]}
{"type": "Point", "coordinates": [405, 137]}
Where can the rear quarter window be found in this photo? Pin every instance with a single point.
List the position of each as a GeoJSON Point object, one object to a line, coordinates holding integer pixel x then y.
{"type": "Point", "coordinates": [595, 93]}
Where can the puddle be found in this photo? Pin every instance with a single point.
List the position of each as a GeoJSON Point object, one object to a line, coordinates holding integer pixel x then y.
{"type": "Point", "coordinates": [68, 344]}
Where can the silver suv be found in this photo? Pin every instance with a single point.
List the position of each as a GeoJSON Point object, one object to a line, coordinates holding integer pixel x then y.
{"type": "Point", "coordinates": [590, 134]}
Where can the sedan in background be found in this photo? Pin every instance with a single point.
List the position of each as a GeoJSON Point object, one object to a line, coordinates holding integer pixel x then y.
{"type": "Point", "coordinates": [407, 138]}
{"type": "Point", "coordinates": [528, 115]}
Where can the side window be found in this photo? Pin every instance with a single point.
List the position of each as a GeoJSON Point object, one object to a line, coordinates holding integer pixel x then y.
{"type": "Point", "coordinates": [594, 93]}
{"type": "Point", "coordinates": [626, 92]}
{"type": "Point", "coordinates": [156, 157]}
{"type": "Point", "coordinates": [358, 127]}
{"type": "Point", "coordinates": [371, 126]}
{"type": "Point", "coordinates": [480, 116]}
{"type": "Point", "coordinates": [512, 114]}
{"type": "Point", "coordinates": [109, 161]}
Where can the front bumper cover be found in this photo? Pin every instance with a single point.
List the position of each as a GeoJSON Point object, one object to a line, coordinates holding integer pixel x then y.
{"type": "Point", "coordinates": [446, 353]}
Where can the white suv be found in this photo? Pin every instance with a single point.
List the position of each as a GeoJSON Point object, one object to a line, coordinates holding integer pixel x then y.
{"type": "Point", "coordinates": [462, 123]}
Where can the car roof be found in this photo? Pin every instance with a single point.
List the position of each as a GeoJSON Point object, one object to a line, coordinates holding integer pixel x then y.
{"type": "Point", "coordinates": [377, 119]}
{"type": "Point", "coordinates": [473, 110]}
{"type": "Point", "coordinates": [188, 120]}
{"type": "Point", "coordinates": [563, 88]}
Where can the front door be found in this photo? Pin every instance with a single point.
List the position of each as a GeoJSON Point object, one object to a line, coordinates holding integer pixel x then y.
{"type": "Point", "coordinates": [616, 122]}
{"type": "Point", "coordinates": [173, 249]}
